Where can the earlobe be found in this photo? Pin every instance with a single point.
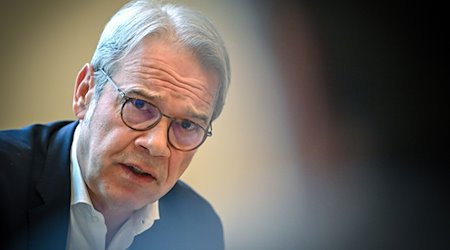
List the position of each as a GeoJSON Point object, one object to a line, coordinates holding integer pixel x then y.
{"type": "Point", "coordinates": [84, 90]}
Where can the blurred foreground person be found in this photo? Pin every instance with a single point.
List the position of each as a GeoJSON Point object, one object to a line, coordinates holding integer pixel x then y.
{"type": "Point", "coordinates": [365, 87]}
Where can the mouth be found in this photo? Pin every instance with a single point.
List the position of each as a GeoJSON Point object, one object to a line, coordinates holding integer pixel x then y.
{"type": "Point", "coordinates": [138, 172]}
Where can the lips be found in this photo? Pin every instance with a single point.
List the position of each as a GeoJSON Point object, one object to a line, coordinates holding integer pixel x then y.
{"type": "Point", "coordinates": [137, 171]}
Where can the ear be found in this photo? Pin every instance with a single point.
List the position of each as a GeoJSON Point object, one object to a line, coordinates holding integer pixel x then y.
{"type": "Point", "coordinates": [84, 91]}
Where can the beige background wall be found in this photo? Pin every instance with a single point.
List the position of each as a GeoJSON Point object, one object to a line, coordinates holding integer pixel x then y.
{"type": "Point", "coordinates": [248, 169]}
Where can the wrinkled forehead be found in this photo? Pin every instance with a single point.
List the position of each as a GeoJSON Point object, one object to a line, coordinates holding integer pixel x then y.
{"type": "Point", "coordinates": [165, 65]}
{"type": "Point", "coordinates": [166, 50]}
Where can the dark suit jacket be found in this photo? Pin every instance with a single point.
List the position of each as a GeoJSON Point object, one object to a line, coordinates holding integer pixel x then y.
{"type": "Point", "coordinates": [35, 197]}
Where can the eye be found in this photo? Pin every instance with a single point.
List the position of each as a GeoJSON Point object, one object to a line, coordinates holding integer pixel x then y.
{"type": "Point", "coordinates": [139, 104]}
{"type": "Point", "coordinates": [186, 124]}
{"type": "Point", "coordinates": [140, 113]}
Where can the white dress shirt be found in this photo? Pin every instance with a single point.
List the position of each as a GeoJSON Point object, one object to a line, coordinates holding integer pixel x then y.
{"type": "Point", "coordinates": [87, 228]}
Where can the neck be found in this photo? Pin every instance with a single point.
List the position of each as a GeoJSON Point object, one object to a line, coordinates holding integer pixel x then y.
{"type": "Point", "coordinates": [114, 220]}
{"type": "Point", "coordinates": [114, 217]}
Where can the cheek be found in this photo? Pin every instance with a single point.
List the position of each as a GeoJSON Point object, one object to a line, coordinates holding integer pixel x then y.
{"type": "Point", "coordinates": [101, 173]}
{"type": "Point", "coordinates": [103, 139]}
{"type": "Point", "coordinates": [105, 129]}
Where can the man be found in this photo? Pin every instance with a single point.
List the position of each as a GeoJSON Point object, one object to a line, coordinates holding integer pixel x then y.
{"type": "Point", "coordinates": [145, 103]}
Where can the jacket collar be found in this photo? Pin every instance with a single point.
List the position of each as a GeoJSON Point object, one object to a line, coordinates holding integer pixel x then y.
{"type": "Point", "coordinates": [48, 222]}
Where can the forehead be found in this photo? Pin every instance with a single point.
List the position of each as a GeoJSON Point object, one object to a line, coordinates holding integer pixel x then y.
{"type": "Point", "coordinates": [170, 72]}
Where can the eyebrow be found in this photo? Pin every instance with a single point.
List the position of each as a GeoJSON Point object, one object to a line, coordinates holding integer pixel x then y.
{"type": "Point", "coordinates": [150, 96]}
{"type": "Point", "coordinates": [203, 118]}
{"type": "Point", "coordinates": [146, 95]}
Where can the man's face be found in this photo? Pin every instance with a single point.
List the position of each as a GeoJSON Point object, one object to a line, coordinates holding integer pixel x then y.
{"type": "Point", "coordinates": [171, 78]}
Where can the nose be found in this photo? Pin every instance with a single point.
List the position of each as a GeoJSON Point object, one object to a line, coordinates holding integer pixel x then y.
{"type": "Point", "coordinates": [155, 140]}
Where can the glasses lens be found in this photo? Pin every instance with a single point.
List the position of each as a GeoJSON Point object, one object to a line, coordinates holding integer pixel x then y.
{"type": "Point", "coordinates": [186, 135]}
{"type": "Point", "coordinates": [140, 114]}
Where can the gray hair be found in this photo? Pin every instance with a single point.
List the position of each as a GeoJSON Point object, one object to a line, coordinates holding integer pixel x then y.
{"type": "Point", "coordinates": [143, 18]}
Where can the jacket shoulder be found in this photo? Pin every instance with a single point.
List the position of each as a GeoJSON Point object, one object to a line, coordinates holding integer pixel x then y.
{"type": "Point", "coordinates": [19, 148]}
{"type": "Point", "coordinates": [23, 155]}
{"type": "Point", "coordinates": [185, 202]}
{"type": "Point", "coordinates": [27, 138]}
{"type": "Point", "coordinates": [187, 221]}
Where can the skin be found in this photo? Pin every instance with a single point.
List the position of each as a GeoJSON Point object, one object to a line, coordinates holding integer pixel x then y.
{"type": "Point", "coordinates": [169, 76]}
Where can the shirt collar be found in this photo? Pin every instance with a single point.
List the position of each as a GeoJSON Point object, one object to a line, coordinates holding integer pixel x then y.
{"type": "Point", "coordinates": [79, 190]}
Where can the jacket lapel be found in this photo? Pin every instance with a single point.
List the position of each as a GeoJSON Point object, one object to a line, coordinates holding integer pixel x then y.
{"type": "Point", "coordinates": [48, 221]}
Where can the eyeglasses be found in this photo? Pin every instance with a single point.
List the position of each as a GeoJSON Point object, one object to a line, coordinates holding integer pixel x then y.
{"type": "Point", "coordinates": [140, 115]}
